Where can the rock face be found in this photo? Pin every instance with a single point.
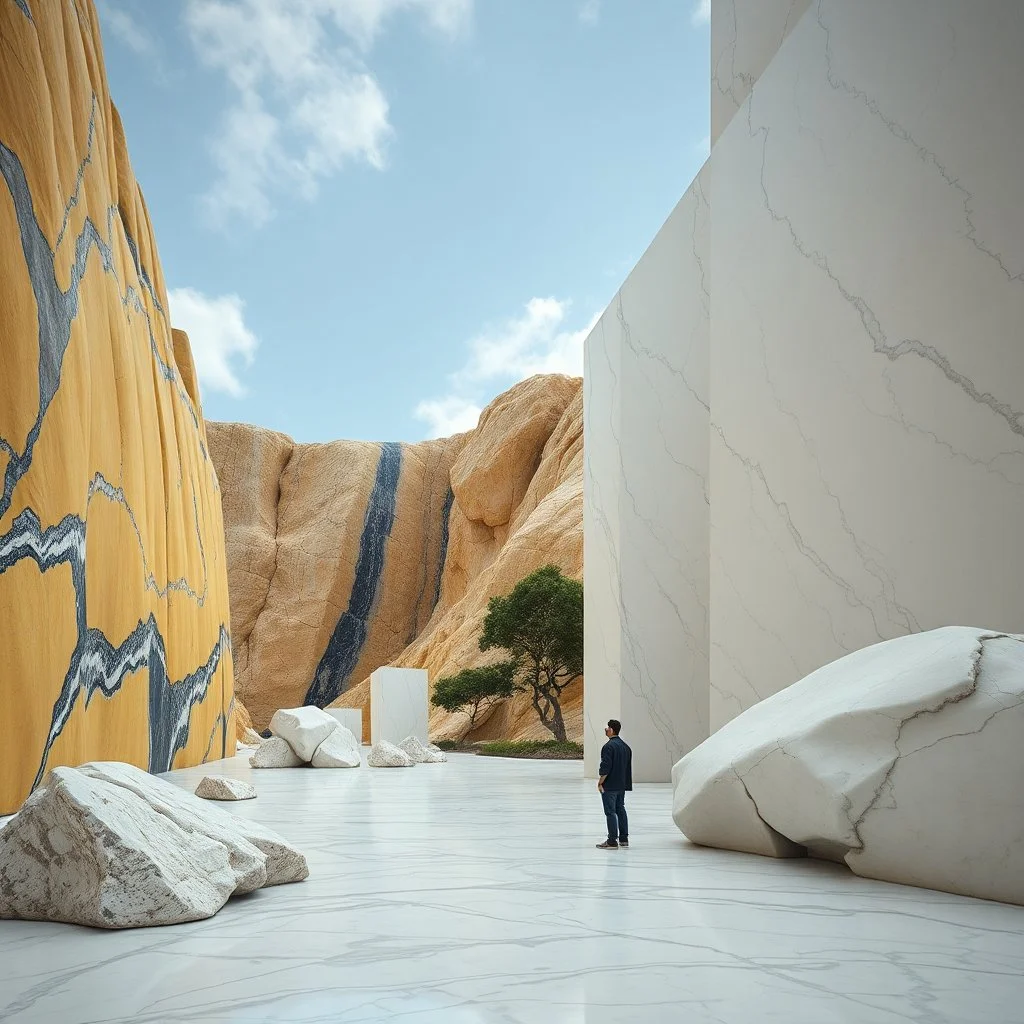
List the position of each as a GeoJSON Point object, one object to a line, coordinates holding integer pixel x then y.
{"type": "Point", "coordinates": [339, 750]}
{"type": "Point", "coordinates": [304, 728]}
{"type": "Point", "coordinates": [101, 431]}
{"type": "Point", "coordinates": [88, 852]}
{"type": "Point", "coordinates": [283, 862]}
{"type": "Point", "coordinates": [275, 753]}
{"type": "Point", "coordinates": [387, 755]}
{"type": "Point", "coordinates": [411, 541]}
{"type": "Point", "coordinates": [222, 787]}
{"type": "Point", "coordinates": [421, 754]}
{"type": "Point", "coordinates": [902, 759]}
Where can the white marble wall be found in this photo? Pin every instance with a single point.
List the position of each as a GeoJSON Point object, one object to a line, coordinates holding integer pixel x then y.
{"type": "Point", "coordinates": [398, 704]}
{"type": "Point", "coordinates": [745, 36]}
{"type": "Point", "coordinates": [646, 502]}
{"type": "Point", "coordinates": [867, 340]}
{"type": "Point", "coordinates": [352, 719]}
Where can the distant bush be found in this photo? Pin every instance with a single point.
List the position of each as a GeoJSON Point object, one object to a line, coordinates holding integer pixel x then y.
{"type": "Point", "coordinates": [552, 750]}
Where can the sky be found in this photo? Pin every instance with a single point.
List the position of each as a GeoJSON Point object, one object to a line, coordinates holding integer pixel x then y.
{"type": "Point", "coordinates": [374, 216]}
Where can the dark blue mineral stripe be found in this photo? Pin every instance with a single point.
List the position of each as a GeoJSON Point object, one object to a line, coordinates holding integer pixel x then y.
{"type": "Point", "coordinates": [446, 515]}
{"type": "Point", "coordinates": [346, 643]}
{"type": "Point", "coordinates": [23, 4]}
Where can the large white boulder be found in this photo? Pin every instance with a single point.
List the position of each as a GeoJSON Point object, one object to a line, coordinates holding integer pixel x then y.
{"type": "Point", "coordinates": [283, 863]}
{"type": "Point", "coordinates": [223, 787]}
{"type": "Point", "coordinates": [304, 728]}
{"type": "Point", "coordinates": [420, 753]}
{"type": "Point", "coordinates": [339, 750]}
{"type": "Point", "coordinates": [905, 760]}
{"type": "Point", "coordinates": [275, 753]}
{"type": "Point", "coordinates": [85, 851]}
{"type": "Point", "coordinates": [387, 755]}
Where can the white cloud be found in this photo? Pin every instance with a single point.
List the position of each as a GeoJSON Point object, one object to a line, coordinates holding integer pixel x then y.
{"type": "Point", "coordinates": [538, 341]}
{"type": "Point", "coordinates": [590, 12]}
{"type": "Point", "coordinates": [447, 416]}
{"type": "Point", "coordinates": [125, 28]}
{"type": "Point", "coordinates": [305, 103]}
{"type": "Point", "coordinates": [218, 335]}
{"type": "Point", "coordinates": [701, 12]}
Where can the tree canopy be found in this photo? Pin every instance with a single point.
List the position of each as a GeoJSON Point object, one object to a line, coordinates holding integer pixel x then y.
{"type": "Point", "coordinates": [540, 624]}
{"type": "Point", "coordinates": [474, 689]}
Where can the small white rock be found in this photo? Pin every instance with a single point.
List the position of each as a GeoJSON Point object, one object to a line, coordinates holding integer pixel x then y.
{"type": "Point", "coordinates": [420, 754]}
{"type": "Point", "coordinates": [275, 753]}
{"type": "Point", "coordinates": [252, 738]}
{"type": "Point", "coordinates": [304, 728]}
{"type": "Point", "coordinates": [222, 787]}
{"type": "Point", "coordinates": [339, 750]}
{"type": "Point", "coordinates": [387, 755]}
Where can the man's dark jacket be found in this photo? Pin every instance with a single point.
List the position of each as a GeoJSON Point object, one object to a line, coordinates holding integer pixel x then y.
{"type": "Point", "coordinates": [617, 766]}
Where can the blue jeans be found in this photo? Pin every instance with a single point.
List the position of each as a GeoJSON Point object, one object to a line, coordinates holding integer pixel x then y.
{"type": "Point", "coordinates": [615, 812]}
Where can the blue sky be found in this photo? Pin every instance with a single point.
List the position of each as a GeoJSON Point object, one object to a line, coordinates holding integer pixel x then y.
{"type": "Point", "coordinates": [376, 215]}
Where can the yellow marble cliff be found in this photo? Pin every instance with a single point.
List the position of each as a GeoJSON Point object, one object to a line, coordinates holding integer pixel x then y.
{"type": "Point", "coordinates": [113, 585]}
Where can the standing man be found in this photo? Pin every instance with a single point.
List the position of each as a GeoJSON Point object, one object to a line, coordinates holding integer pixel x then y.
{"type": "Point", "coordinates": [616, 779]}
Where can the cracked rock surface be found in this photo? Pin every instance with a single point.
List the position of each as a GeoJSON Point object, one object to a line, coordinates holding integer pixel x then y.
{"type": "Point", "coordinates": [222, 787]}
{"type": "Point", "coordinates": [275, 753]}
{"type": "Point", "coordinates": [387, 755]}
{"type": "Point", "coordinates": [339, 750]}
{"type": "Point", "coordinates": [903, 760]}
{"type": "Point", "coordinates": [420, 753]}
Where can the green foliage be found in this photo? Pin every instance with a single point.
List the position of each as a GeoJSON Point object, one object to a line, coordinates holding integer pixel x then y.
{"type": "Point", "coordinates": [475, 689]}
{"type": "Point", "coordinates": [540, 624]}
{"type": "Point", "coordinates": [555, 750]}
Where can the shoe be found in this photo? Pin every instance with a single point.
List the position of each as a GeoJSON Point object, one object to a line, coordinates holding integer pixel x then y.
{"type": "Point", "coordinates": [607, 845]}
{"type": "Point", "coordinates": [624, 844]}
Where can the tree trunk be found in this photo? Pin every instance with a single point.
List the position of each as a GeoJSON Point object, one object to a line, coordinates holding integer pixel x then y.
{"type": "Point", "coordinates": [551, 713]}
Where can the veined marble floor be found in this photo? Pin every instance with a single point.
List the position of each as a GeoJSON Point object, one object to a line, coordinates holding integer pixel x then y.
{"type": "Point", "coordinates": [471, 892]}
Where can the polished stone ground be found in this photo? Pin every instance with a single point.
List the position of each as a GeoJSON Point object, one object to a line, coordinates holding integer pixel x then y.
{"type": "Point", "coordinates": [471, 892]}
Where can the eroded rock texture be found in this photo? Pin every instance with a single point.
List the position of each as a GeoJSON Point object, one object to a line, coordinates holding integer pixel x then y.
{"type": "Point", "coordinates": [902, 760]}
{"type": "Point", "coordinates": [101, 439]}
{"type": "Point", "coordinates": [347, 556]}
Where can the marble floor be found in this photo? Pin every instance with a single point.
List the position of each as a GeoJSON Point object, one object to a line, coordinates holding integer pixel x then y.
{"type": "Point", "coordinates": [472, 892]}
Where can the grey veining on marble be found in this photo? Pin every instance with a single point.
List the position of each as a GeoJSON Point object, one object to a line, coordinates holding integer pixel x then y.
{"type": "Point", "coordinates": [428, 904]}
{"type": "Point", "coordinates": [646, 504]}
{"type": "Point", "coordinates": [867, 371]}
{"type": "Point", "coordinates": [745, 36]}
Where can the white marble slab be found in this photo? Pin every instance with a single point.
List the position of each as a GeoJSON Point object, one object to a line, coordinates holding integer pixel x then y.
{"type": "Point", "coordinates": [646, 502]}
{"type": "Point", "coordinates": [745, 36]}
{"type": "Point", "coordinates": [446, 898]}
{"type": "Point", "coordinates": [351, 718]}
{"type": "Point", "coordinates": [398, 704]}
{"type": "Point", "coordinates": [867, 371]}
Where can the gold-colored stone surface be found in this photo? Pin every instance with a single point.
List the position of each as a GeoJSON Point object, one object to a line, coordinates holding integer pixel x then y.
{"type": "Point", "coordinates": [113, 582]}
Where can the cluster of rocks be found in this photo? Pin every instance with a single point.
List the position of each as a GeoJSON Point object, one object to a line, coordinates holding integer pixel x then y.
{"type": "Point", "coordinates": [411, 751]}
{"type": "Point", "coordinates": [111, 846]}
{"type": "Point", "coordinates": [306, 736]}
{"type": "Point", "coordinates": [310, 736]}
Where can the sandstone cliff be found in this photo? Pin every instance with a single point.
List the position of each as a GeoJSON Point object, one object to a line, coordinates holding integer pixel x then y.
{"type": "Point", "coordinates": [347, 556]}
{"type": "Point", "coordinates": [113, 585]}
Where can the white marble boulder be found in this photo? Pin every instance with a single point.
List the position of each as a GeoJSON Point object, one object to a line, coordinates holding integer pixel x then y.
{"type": "Point", "coordinates": [284, 863]}
{"type": "Point", "coordinates": [223, 787]}
{"type": "Point", "coordinates": [420, 753]}
{"type": "Point", "coordinates": [275, 753]}
{"type": "Point", "coordinates": [86, 851]}
{"type": "Point", "coordinates": [339, 750]}
{"type": "Point", "coordinates": [304, 728]}
{"type": "Point", "coordinates": [904, 760]}
{"type": "Point", "coordinates": [387, 755]}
